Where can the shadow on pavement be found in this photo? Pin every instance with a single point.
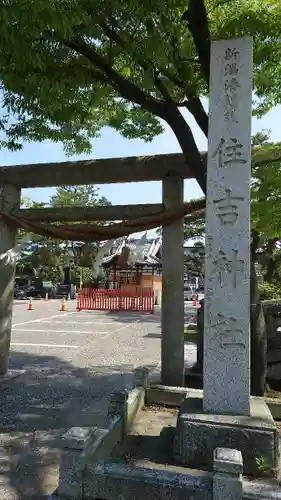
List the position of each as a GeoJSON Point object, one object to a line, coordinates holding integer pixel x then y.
{"type": "Point", "coordinates": [130, 316]}
{"type": "Point", "coordinates": [153, 335]}
{"type": "Point", "coordinates": [37, 407]}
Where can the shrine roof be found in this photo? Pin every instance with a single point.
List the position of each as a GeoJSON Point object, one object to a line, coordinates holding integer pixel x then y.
{"type": "Point", "coordinates": [148, 252]}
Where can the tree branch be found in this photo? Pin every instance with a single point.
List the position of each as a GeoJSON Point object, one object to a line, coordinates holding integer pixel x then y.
{"type": "Point", "coordinates": [145, 65]}
{"type": "Point", "coordinates": [127, 89]}
{"type": "Point", "coordinates": [57, 70]}
{"type": "Point", "coordinates": [166, 110]}
{"type": "Point", "coordinates": [219, 4]}
{"type": "Point", "coordinates": [194, 105]}
{"type": "Point", "coordinates": [196, 17]}
{"type": "Point", "coordinates": [185, 137]}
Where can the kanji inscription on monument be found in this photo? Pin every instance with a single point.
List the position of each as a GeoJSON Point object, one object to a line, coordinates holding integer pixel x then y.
{"type": "Point", "coordinates": [227, 261]}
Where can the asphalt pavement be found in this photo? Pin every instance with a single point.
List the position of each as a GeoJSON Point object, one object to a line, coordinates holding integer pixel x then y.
{"type": "Point", "coordinates": [72, 361]}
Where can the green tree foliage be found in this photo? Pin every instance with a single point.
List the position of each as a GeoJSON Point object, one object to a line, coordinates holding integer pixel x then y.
{"type": "Point", "coordinates": [194, 226]}
{"type": "Point", "coordinates": [77, 196]}
{"type": "Point", "coordinates": [70, 67]}
{"type": "Point", "coordinates": [29, 261]}
{"type": "Point", "coordinates": [194, 261]}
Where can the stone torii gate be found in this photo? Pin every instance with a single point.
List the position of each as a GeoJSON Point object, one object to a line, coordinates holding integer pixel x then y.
{"type": "Point", "coordinates": [171, 169]}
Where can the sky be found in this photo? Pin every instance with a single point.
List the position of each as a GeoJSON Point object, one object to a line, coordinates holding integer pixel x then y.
{"type": "Point", "coordinates": [111, 144]}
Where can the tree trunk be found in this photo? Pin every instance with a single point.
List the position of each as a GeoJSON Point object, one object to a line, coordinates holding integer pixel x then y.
{"type": "Point", "coordinates": [258, 334]}
{"type": "Point", "coordinates": [67, 277]}
{"type": "Point", "coordinates": [270, 268]}
{"type": "Point", "coordinates": [271, 262]}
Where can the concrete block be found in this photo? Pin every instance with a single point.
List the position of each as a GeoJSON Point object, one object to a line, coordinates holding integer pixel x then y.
{"type": "Point", "coordinates": [141, 375]}
{"type": "Point", "coordinates": [76, 438]}
{"type": "Point", "coordinates": [274, 406]}
{"type": "Point", "coordinates": [227, 480]}
{"type": "Point", "coordinates": [158, 394]}
{"type": "Point", "coordinates": [261, 490]}
{"type": "Point", "coordinates": [103, 442]}
{"type": "Point", "coordinates": [73, 461]}
{"type": "Point", "coordinates": [122, 482]}
{"type": "Point", "coordinates": [199, 433]}
{"type": "Point", "coordinates": [228, 461]}
{"type": "Point", "coordinates": [80, 446]}
{"type": "Point", "coordinates": [135, 402]}
{"type": "Point", "coordinates": [165, 395]}
{"type": "Point", "coordinates": [72, 467]}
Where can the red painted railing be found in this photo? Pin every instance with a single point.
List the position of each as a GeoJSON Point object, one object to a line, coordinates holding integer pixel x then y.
{"type": "Point", "coordinates": [140, 300]}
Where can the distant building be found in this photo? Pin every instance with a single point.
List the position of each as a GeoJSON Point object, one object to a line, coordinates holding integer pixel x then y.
{"type": "Point", "coordinates": [146, 272]}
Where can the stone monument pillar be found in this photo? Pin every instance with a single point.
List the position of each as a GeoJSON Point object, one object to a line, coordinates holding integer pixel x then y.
{"type": "Point", "coordinates": [226, 371]}
{"type": "Point", "coordinates": [227, 417]}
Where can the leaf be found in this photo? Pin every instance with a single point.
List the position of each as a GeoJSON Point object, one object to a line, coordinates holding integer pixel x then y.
{"type": "Point", "coordinates": [56, 93]}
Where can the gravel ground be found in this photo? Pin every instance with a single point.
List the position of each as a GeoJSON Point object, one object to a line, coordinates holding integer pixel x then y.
{"type": "Point", "coordinates": [72, 362]}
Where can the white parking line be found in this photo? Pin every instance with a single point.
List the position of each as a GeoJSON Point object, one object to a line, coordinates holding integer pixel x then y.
{"type": "Point", "coordinates": [38, 320]}
{"type": "Point", "coordinates": [55, 331]}
{"type": "Point", "coordinates": [55, 346]}
{"type": "Point", "coordinates": [105, 333]}
{"type": "Point", "coordinates": [71, 322]}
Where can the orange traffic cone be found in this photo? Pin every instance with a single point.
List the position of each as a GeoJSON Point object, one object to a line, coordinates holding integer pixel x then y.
{"type": "Point", "coordinates": [30, 305]}
{"type": "Point", "coordinates": [63, 306]}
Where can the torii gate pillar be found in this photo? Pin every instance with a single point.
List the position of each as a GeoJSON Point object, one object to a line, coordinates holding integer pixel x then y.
{"type": "Point", "coordinates": [172, 348]}
{"type": "Point", "coordinates": [9, 200]}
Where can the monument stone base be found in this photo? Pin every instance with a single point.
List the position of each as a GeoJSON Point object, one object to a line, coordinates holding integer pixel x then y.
{"type": "Point", "coordinates": [199, 433]}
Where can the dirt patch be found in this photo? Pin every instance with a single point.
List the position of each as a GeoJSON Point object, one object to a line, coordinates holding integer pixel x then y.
{"type": "Point", "coordinates": [150, 440]}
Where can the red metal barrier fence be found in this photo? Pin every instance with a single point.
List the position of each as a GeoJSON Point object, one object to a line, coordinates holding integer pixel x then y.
{"type": "Point", "coordinates": [141, 300]}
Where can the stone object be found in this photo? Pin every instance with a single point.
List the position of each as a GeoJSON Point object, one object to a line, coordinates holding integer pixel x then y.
{"type": "Point", "coordinates": [226, 370]}
{"type": "Point", "coordinates": [199, 433]}
{"type": "Point", "coordinates": [73, 460]}
{"type": "Point", "coordinates": [273, 345]}
{"type": "Point", "coordinates": [227, 480]}
{"type": "Point", "coordinates": [112, 479]}
{"type": "Point", "coordinates": [118, 403]}
{"type": "Point", "coordinates": [76, 438]}
{"type": "Point", "coordinates": [9, 201]}
{"type": "Point", "coordinates": [120, 481]}
{"type": "Point", "coordinates": [141, 376]}
{"type": "Point", "coordinates": [172, 310]}
{"type": "Point", "coordinates": [81, 445]}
